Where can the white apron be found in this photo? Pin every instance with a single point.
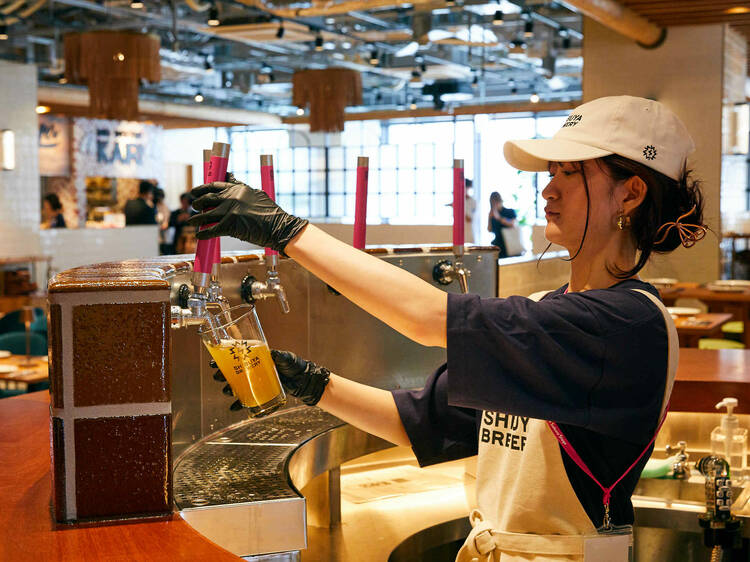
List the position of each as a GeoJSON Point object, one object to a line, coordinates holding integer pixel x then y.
{"type": "Point", "coordinates": [528, 511]}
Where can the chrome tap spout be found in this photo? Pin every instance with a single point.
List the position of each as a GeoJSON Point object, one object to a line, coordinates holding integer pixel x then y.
{"type": "Point", "coordinates": [252, 289]}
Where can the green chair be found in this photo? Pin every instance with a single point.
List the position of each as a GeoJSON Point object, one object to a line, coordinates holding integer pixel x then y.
{"type": "Point", "coordinates": [715, 343]}
{"type": "Point", "coordinates": [15, 342]}
{"type": "Point", "coordinates": [734, 330]}
{"type": "Point", "coordinates": [11, 322]}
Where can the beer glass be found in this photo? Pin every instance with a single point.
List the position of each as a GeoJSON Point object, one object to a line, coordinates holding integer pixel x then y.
{"type": "Point", "coordinates": [236, 342]}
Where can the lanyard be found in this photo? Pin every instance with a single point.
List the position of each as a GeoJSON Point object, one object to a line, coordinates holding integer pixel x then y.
{"type": "Point", "coordinates": [576, 458]}
{"type": "Point", "coordinates": [573, 454]}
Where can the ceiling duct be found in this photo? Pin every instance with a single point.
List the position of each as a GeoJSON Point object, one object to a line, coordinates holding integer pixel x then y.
{"type": "Point", "coordinates": [446, 91]}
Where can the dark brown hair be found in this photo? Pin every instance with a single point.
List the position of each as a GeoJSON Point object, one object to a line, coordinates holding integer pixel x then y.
{"type": "Point", "coordinates": [666, 200]}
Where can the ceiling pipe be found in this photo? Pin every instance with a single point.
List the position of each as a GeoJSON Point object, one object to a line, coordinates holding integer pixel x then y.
{"type": "Point", "coordinates": [342, 8]}
{"type": "Point", "coordinates": [618, 18]}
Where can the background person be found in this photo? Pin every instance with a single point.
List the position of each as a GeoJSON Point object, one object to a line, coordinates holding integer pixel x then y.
{"type": "Point", "coordinates": [141, 210]}
{"type": "Point", "coordinates": [520, 367]}
{"type": "Point", "coordinates": [178, 220]}
{"type": "Point", "coordinates": [499, 218]}
{"type": "Point", "coordinates": [52, 212]}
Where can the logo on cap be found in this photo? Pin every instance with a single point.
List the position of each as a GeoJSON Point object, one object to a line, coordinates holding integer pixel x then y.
{"type": "Point", "coordinates": [649, 152]}
{"type": "Point", "coordinates": [573, 120]}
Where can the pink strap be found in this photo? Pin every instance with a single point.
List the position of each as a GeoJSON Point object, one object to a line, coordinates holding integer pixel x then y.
{"type": "Point", "coordinates": [568, 448]}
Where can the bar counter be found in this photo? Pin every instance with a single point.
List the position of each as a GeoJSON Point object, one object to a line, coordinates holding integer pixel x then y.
{"type": "Point", "coordinates": [27, 527]}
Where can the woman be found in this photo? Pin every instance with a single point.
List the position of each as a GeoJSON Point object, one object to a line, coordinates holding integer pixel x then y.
{"type": "Point", "coordinates": [52, 211]}
{"type": "Point", "coordinates": [529, 384]}
{"type": "Point", "coordinates": [500, 218]}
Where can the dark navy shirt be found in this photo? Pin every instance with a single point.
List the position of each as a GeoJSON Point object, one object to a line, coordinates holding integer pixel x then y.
{"type": "Point", "coordinates": [595, 362]}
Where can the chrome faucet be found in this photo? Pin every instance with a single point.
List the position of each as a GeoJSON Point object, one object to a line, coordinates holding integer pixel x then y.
{"type": "Point", "coordinates": [446, 272]}
{"type": "Point", "coordinates": [680, 469]}
{"type": "Point", "coordinates": [252, 289]}
{"type": "Point", "coordinates": [193, 306]}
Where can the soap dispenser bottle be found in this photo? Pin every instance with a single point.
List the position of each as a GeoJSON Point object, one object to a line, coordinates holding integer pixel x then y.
{"type": "Point", "coordinates": [729, 440]}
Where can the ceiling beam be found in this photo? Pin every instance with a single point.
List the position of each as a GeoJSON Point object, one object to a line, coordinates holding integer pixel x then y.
{"type": "Point", "coordinates": [75, 101]}
{"type": "Point", "coordinates": [621, 19]}
{"type": "Point", "coordinates": [460, 110]}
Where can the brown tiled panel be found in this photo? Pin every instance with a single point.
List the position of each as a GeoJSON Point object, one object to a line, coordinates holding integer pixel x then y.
{"type": "Point", "coordinates": [122, 466]}
{"type": "Point", "coordinates": [121, 353]}
{"type": "Point", "coordinates": [58, 468]}
{"type": "Point", "coordinates": [55, 356]}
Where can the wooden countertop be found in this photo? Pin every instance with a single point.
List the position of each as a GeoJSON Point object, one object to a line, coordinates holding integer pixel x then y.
{"type": "Point", "coordinates": [27, 531]}
{"type": "Point", "coordinates": [704, 377]}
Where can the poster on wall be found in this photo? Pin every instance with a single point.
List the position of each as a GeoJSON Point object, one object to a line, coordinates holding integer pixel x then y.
{"type": "Point", "coordinates": [54, 146]}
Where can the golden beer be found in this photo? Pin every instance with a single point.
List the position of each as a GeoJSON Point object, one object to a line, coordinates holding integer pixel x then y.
{"type": "Point", "coordinates": [250, 371]}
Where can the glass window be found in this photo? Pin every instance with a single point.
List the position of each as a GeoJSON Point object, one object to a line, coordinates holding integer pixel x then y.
{"type": "Point", "coordinates": [411, 167]}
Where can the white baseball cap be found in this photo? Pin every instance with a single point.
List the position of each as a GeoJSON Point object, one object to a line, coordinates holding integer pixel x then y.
{"type": "Point", "coordinates": [637, 128]}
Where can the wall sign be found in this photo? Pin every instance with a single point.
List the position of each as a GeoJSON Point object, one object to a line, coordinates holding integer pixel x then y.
{"type": "Point", "coordinates": [54, 145]}
{"type": "Point", "coordinates": [115, 149]}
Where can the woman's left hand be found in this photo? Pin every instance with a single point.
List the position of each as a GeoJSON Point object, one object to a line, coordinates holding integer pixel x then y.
{"type": "Point", "coordinates": [243, 212]}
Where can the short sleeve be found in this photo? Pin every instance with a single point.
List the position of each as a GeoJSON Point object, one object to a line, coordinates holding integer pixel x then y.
{"type": "Point", "coordinates": [592, 360]}
{"type": "Point", "coordinates": [437, 432]}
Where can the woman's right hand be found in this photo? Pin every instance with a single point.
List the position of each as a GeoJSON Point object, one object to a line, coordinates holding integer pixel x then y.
{"type": "Point", "coordinates": [299, 377]}
{"type": "Point", "coordinates": [243, 212]}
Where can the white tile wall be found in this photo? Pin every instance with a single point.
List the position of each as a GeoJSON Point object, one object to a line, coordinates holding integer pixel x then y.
{"type": "Point", "coordinates": [19, 188]}
{"type": "Point", "coordinates": [85, 246]}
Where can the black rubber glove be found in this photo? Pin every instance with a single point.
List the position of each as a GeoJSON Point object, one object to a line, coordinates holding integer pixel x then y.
{"type": "Point", "coordinates": [301, 378]}
{"type": "Point", "coordinates": [243, 212]}
{"type": "Point", "coordinates": [219, 377]}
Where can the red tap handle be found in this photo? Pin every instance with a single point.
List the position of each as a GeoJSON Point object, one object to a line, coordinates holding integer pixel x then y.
{"type": "Point", "coordinates": [459, 198]}
{"type": "Point", "coordinates": [360, 207]}
{"type": "Point", "coordinates": [266, 182]}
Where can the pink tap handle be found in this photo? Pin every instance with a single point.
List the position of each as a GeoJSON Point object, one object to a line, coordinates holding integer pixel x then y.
{"type": "Point", "coordinates": [266, 182]}
{"type": "Point", "coordinates": [360, 206]}
{"type": "Point", "coordinates": [459, 189]}
{"type": "Point", "coordinates": [208, 252]}
{"type": "Point", "coordinates": [217, 244]}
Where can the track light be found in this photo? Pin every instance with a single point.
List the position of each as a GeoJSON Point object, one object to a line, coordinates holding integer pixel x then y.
{"type": "Point", "coordinates": [208, 66]}
{"type": "Point", "coordinates": [499, 18]}
{"type": "Point", "coordinates": [374, 59]}
{"type": "Point", "coordinates": [280, 31]}
{"type": "Point", "coordinates": [198, 97]}
{"type": "Point", "coordinates": [534, 98]}
{"type": "Point", "coordinates": [412, 104]}
{"type": "Point", "coordinates": [318, 42]}
{"type": "Point", "coordinates": [566, 42]}
{"type": "Point", "coordinates": [266, 68]}
{"type": "Point", "coordinates": [300, 111]}
{"type": "Point", "coordinates": [213, 17]}
{"type": "Point", "coordinates": [528, 29]}
{"type": "Point", "coordinates": [3, 32]}
{"type": "Point", "coordinates": [136, 4]}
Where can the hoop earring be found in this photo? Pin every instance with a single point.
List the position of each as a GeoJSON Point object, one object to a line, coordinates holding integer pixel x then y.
{"type": "Point", "coordinates": [623, 221]}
